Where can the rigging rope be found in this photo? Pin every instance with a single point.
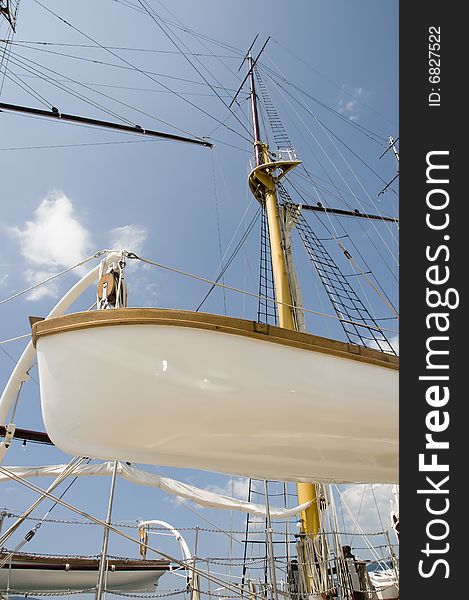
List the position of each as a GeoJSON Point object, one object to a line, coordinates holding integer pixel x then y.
{"type": "Point", "coordinates": [343, 297]}
{"type": "Point", "coordinates": [52, 277]}
{"type": "Point", "coordinates": [154, 16]}
{"type": "Point", "coordinates": [26, 43]}
{"type": "Point", "coordinates": [333, 165]}
{"type": "Point", "coordinates": [128, 63]}
{"type": "Point", "coordinates": [18, 337]}
{"type": "Point", "coordinates": [230, 260]}
{"type": "Point", "coordinates": [282, 140]}
{"type": "Point", "coordinates": [340, 87]}
{"type": "Point", "coordinates": [351, 191]}
{"type": "Point", "coordinates": [251, 294]}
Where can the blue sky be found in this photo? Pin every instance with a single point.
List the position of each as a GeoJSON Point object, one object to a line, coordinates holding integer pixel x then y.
{"type": "Point", "coordinates": [174, 203]}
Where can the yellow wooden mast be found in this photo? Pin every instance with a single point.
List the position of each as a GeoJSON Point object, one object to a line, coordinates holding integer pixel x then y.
{"type": "Point", "coordinates": [263, 183]}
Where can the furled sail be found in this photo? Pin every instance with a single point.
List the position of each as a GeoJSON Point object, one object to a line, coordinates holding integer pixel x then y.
{"type": "Point", "coordinates": [202, 497]}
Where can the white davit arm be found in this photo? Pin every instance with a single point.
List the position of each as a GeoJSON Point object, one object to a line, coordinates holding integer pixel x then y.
{"type": "Point", "coordinates": [186, 553]}
{"type": "Point", "coordinates": [20, 372]}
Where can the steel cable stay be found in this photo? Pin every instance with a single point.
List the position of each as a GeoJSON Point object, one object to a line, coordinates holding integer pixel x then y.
{"type": "Point", "coordinates": [199, 38]}
{"type": "Point", "coordinates": [339, 290]}
{"type": "Point", "coordinates": [31, 43]}
{"type": "Point", "coordinates": [203, 36]}
{"type": "Point", "coordinates": [69, 90]}
{"type": "Point", "coordinates": [84, 145]}
{"type": "Point", "coordinates": [186, 29]}
{"type": "Point", "coordinates": [217, 212]}
{"type": "Point", "coordinates": [357, 156]}
{"type": "Point", "coordinates": [128, 63]}
{"type": "Point", "coordinates": [4, 59]}
{"type": "Point", "coordinates": [282, 140]}
{"type": "Point", "coordinates": [342, 296]}
{"type": "Point", "coordinates": [344, 181]}
{"type": "Point", "coordinates": [337, 171]}
{"type": "Point", "coordinates": [132, 255]}
{"type": "Point", "coordinates": [155, 17]}
{"type": "Point", "coordinates": [16, 79]}
{"type": "Point", "coordinates": [336, 237]}
{"type": "Point", "coordinates": [17, 61]}
{"type": "Point", "coordinates": [230, 260]}
{"type": "Point", "coordinates": [124, 67]}
{"type": "Point", "coordinates": [339, 87]}
{"type": "Point", "coordinates": [238, 108]}
{"type": "Point", "coordinates": [97, 254]}
{"type": "Point", "coordinates": [94, 84]}
{"type": "Point", "coordinates": [275, 76]}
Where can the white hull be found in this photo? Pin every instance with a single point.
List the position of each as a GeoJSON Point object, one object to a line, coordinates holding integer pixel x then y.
{"type": "Point", "coordinates": [385, 585]}
{"type": "Point", "coordinates": [48, 575]}
{"type": "Point", "coordinates": [158, 390]}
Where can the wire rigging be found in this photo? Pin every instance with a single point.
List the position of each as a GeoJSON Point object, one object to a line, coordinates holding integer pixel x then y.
{"type": "Point", "coordinates": [282, 139]}
{"type": "Point", "coordinates": [230, 260]}
{"type": "Point", "coordinates": [302, 103]}
{"type": "Point", "coordinates": [56, 83]}
{"type": "Point", "coordinates": [339, 87]}
{"type": "Point", "coordinates": [128, 63]}
{"type": "Point", "coordinates": [331, 162]}
{"type": "Point", "coordinates": [151, 13]}
{"type": "Point", "coordinates": [28, 43]}
{"type": "Point", "coordinates": [114, 65]}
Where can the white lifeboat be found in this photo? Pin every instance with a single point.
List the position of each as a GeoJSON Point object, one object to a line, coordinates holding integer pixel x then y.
{"type": "Point", "coordinates": [195, 390]}
{"type": "Point", "coordinates": [37, 573]}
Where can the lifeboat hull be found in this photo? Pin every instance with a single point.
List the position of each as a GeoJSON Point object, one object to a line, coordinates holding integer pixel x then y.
{"type": "Point", "coordinates": [33, 573]}
{"type": "Point", "coordinates": [208, 392]}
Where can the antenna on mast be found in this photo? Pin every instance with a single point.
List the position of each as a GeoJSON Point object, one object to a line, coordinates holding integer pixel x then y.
{"type": "Point", "coordinates": [247, 53]}
{"type": "Point", "coordinates": [392, 144]}
{"type": "Point", "coordinates": [252, 64]}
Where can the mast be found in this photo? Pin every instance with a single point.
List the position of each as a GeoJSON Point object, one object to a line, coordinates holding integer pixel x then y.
{"type": "Point", "coordinates": [263, 183]}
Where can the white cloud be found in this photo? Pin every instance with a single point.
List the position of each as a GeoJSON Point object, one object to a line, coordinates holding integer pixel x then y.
{"type": "Point", "coordinates": [350, 103]}
{"type": "Point", "coordinates": [236, 487]}
{"type": "Point", "coordinates": [393, 341]}
{"type": "Point", "coordinates": [48, 290]}
{"type": "Point", "coordinates": [128, 237]}
{"type": "Point", "coordinates": [55, 237]}
{"type": "Point", "coordinates": [369, 504]}
{"type": "Point", "coordinates": [3, 278]}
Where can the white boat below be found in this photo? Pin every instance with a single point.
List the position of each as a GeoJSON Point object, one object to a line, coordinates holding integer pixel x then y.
{"type": "Point", "coordinates": [186, 389]}
{"type": "Point", "coordinates": [30, 572]}
{"type": "Point", "coordinates": [385, 585]}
